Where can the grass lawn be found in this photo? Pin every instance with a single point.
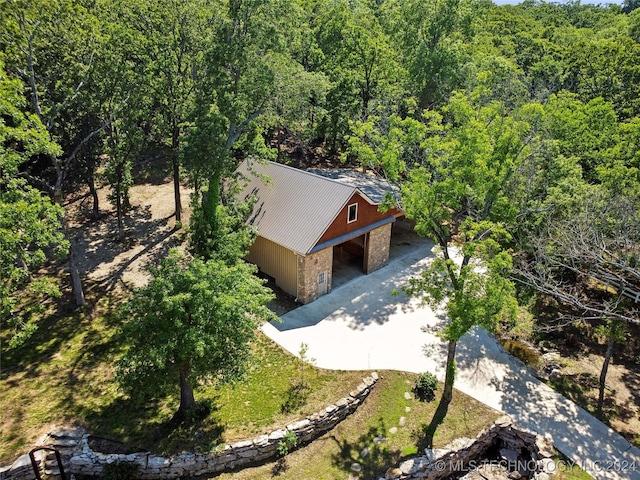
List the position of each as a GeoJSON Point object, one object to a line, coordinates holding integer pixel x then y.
{"type": "Point", "coordinates": [64, 376]}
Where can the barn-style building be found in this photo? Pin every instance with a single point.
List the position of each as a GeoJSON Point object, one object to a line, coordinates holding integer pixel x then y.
{"type": "Point", "coordinates": [308, 218]}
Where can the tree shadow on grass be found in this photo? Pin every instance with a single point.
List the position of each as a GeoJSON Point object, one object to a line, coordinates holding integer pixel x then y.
{"type": "Point", "coordinates": [424, 436]}
{"type": "Point", "coordinates": [142, 426]}
{"type": "Point", "coordinates": [377, 457]}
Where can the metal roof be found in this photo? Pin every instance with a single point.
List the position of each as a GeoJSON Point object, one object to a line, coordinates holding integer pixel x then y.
{"type": "Point", "coordinates": [372, 186]}
{"type": "Point", "coordinates": [295, 207]}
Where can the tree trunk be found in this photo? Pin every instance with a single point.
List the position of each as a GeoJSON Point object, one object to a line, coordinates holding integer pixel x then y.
{"type": "Point", "coordinates": [450, 376]}
{"type": "Point", "coordinates": [119, 202]}
{"type": "Point", "coordinates": [95, 210]}
{"type": "Point", "coordinates": [187, 400]}
{"type": "Point", "coordinates": [175, 143]}
{"type": "Point", "coordinates": [76, 281]}
{"type": "Point", "coordinates": [176, 187]}
{"type": "Point", "coordinates": [605, 365]}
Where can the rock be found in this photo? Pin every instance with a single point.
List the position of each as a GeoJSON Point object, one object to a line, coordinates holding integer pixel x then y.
{"type": "Point", "coordinates": [393, 430]}
{"type": "Point", "coordinates": [509, 455]}
{"type": "Point", "coordinates": [277, 435]}
{"type": "Point", "coordinates": [402, 421]}
{"type": "Point", "coordinates": [365, 451]}
{"type": "Point", "coordinates": [356, 467]}
{"type": "Point", "coordinates": [407, 396]}
{"type": "Point", "coordinates": [551, 357]}
{"type": "Point", "coordinates": [555, 375]}
{"type": "Point", "coordinates": [407, 409]}
{"type": "Point", "coordinates": [432, 454]}
{"type": "Point", "coordinates": [374, 375]}
{"type": "Point", "coordinates": [392, 474]}
{"type": "Point", "coordinates": [541, 476]}
{"type": "Point", "coordinates": [379, 439]}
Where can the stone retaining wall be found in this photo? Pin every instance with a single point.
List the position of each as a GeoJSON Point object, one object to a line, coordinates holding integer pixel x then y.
{"type": "Point", "coordinates": [79, 458]}
{"type": "Point", "coordinates": [514, 450]}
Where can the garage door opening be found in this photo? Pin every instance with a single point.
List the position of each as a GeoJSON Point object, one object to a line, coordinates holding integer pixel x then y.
{"type": "Point", "coordinates": [348, 260]}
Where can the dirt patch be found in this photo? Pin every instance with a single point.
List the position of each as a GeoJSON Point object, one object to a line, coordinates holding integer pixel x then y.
{"type": "Point", "coordinates": [580, 361]}
{"type": "Point", "coordinates": [105, 262]}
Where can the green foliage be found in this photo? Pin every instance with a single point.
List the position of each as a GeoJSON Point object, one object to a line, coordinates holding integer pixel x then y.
{"type": "Point", "coordinates": [193, 322]}
{"type": "Point", "coordinates": [29, 221]}
{"type": "Point", "coordinates": [425, 387]}
{"type": "Point", "coordinates": [288, 443]}
{"type": "Point", "coordinates": [298, 392]}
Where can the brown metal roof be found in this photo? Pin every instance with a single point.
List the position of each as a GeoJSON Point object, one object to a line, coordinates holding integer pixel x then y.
{"type": "Point", "coordinates": [294, 207]}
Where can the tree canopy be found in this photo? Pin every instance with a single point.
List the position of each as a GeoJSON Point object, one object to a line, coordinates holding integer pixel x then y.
{"type": "Point", "coordinates": [193, 322]}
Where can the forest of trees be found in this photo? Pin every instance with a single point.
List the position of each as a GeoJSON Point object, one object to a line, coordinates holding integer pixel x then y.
{"type": "Point", "coordinates": [513, 132]}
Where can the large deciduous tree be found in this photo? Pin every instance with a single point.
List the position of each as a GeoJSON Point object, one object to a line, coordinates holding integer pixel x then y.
{"type": "Point", "coordinates": [29, 221]}
{"type": "Point", "coordinates": [193, 322]}
{"type": "Point", "coordinates": [454, 176]}
{"type": "Point", "coordinates": [588, 262]}
{"type": "Point", "coordinates": [35, 37]}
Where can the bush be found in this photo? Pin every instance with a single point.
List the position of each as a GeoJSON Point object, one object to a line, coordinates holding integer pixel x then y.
{"type": "Point", "coordinates": [425, 387]}
{"type": "Point", "coordinates": [289, 442]}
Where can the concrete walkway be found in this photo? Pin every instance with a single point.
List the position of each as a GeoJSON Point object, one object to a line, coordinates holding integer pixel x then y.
{"type": "Point", "coordinates": [362, 326]}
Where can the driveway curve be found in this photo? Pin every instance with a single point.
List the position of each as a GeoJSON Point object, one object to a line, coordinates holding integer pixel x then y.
{"type": "Point", "coordinates": [362, 325]}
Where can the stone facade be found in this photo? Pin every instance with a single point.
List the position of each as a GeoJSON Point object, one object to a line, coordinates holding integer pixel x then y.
{"type": "Point", "coordinates": [309, 269]}
{"type": "Point", "coordinates": [501, 451]}
{"type": "Point", "coordinates": [378, 242]}
{"type": "Point", "coordinates": [79, 458]}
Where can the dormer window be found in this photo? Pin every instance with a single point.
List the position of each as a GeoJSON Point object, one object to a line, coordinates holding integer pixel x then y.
{"type": "Point", "coordinates": [352, 214]}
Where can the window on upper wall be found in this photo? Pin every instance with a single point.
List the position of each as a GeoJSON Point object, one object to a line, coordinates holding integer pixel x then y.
{"type": "Point", "coordinates": [352, 215]}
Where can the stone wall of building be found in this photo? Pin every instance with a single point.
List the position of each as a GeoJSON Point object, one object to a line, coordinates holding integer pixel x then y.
{"type": "Point", "coordinates": [379, 240]}
{"type": "Point", "coordinates": [79, 457]}
{"type": "Point", "coordinates": [309, 269]}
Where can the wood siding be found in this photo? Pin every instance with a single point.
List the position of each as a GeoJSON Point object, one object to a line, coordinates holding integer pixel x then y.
{"type": "Point", "coordinates": [367, 214]}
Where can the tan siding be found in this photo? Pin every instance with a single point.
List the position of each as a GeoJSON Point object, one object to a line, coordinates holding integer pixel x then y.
{"type": "Point", "coordinates": [277, 262]}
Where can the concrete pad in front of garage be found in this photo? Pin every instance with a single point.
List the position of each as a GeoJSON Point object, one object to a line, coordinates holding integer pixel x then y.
{"type": "Point", "coordinates": [370, 324]}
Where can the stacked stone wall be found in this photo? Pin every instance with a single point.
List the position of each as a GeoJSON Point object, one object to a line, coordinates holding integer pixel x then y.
{"type": "Point", "coordinates": [379, 240]}
{"type": "Point", "coordinates": [521, 451]}
{"type": "Point", "coordinates": [79, 458]}
{"type": "Point", "coordinates": [309, 267]}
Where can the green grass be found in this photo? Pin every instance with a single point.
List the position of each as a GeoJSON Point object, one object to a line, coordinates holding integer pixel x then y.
{"type": "Point", "coordinates": [64, 376]}
{"type": "Point", "coordinates": [332, 455]}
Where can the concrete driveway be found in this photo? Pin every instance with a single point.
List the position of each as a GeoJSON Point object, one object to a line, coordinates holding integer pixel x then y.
{"type": "Point", "coordinates": [362, 326]}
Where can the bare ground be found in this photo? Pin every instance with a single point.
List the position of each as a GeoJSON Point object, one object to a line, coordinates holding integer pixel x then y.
{"type": "Point", "coordinates": [105, 262]}
{"type": "Point", "coordinates": [581, 361]}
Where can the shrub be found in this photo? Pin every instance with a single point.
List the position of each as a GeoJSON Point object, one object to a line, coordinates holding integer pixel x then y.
{"type": "Point", "coordinates": [289, 441]}
{"type": "Point", "coordinates": [425, 387]}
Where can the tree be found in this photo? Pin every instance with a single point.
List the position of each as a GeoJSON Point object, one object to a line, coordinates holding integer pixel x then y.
{"type": "Point", "coordinates": [430, 37]}
{"type": "Point", "coordinates": [588, 262]}
{"type": "Point", "coordinates": [29, 221]}
{"type": "Point", "coordinates": [243, 78]}
{"type": "Point", "coordinates": [629, 6]}
{"type": "Point", "coordinates": [170, 37]}
{"type": "Point", "coordinates": [193, 322]}
{"type": "Point", "coordinates": [358, 58]}
{"type": "Point", "coordinates": [454, 176]}
{"type": "Point", "coordinates": [36, 37]}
